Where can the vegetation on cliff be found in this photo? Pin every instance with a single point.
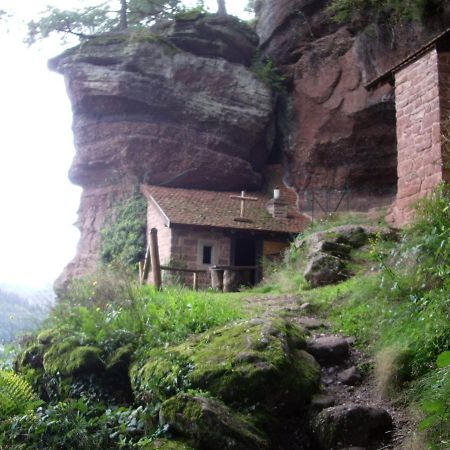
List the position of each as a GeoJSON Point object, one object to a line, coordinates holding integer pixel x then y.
{"type": "Point", "coordinates": [123, 233]}
{"type": "Point", "coordinates": [386, 11]}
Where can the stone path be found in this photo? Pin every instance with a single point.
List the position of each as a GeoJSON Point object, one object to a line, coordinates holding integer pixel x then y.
{"type": "Point", "coordinates": [348, 411]}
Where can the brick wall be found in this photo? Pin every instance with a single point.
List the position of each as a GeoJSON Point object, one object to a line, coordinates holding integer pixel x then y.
{"type": "Point", "coordinates": [418, 133]}
{"type": "Point", "coordinates": [186, 247]}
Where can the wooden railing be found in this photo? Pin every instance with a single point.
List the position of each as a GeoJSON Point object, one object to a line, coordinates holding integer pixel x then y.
{"type": "Point", "coordinates": [152, 261]}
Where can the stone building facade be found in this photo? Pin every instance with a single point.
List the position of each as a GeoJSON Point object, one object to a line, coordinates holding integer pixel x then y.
{"type": "Point", "coordinates": [422, 96]}
{"type": "Point", "coordinates": [199, 229]}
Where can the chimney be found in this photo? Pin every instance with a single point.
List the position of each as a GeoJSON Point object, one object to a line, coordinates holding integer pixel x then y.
{"type": "Point", "coordinates": [276, 207]}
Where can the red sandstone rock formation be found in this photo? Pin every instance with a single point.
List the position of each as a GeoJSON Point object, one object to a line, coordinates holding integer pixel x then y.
{"type": "Point", "coordinates": [177, 106]}
{"type": "Point", "coordinates": [336, 133]}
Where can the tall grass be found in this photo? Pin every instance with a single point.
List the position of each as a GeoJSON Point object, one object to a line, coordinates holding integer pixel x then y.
{"type": "Point", "coordinates": [109, 310]}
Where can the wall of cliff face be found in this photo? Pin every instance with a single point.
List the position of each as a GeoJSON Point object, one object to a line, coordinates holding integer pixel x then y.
{"type": "Point", "coordinates": [336, 133]}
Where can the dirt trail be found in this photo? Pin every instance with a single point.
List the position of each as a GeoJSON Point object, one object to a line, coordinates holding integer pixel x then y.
{"type": "Point", "coordinates": [335, 392]}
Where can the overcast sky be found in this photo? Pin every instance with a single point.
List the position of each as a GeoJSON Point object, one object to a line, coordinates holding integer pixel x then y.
{"type": "Point", "coordinates": [38, 204]}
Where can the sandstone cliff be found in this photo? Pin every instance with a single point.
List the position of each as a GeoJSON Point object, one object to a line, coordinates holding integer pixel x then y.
{"type": "Point", "coordinates": [337, 134]}
{"type": "Point", "coordinates": [175, 106]}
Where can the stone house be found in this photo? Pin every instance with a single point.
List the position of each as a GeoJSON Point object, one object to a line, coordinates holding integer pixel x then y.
{"type": "Point", "coordinates": [198, 229]}
{"type": "Point", "coordinates": [422, 98]}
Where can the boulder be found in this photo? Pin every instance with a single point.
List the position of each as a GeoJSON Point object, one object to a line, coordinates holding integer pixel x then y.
{"type": "Point", "coordinates": [350, 376]}
{"type": "Point", "coordinates": [31, 357]}
{"type": "Point", "coordinates": [70, 358]}
{"type": "Point", "coordinates": [254, 362]}
{"type": "Point", "coordinates": [323, 269]}
{"type": "Point", "coordinates": [329, 350]}
{"type": "Point", "coordinates": [352, 425]}
{"type": "Point", "coordinates": [339, 249]}
{"type": "Point", "coordinates": [208, 423]}
{"type": "Point", "coordinates": [329, 251]}
{"type": "Point", "coordinates": [320, 402]}
{"type": "Point", "coordinates": [344, 238]}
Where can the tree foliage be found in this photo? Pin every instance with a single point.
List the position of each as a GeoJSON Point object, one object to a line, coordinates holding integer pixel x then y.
{"type": "Point", "coordinates": [112, 15]}
{"type": "Point", "coordinates": [385, 11]}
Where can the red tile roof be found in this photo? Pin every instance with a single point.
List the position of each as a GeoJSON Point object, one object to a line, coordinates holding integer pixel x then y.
{"type": "Point", "coordinates": [219, 210]}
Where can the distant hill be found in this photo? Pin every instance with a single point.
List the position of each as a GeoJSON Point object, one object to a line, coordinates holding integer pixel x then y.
{"type": "Point", "coordinates": [21, 313]}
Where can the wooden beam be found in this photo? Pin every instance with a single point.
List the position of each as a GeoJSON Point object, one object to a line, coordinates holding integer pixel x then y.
{"type": "Point", "coordinates": [154, 256]}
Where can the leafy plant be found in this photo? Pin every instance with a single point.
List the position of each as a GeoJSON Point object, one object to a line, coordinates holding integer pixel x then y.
{"type": "Point", "coordinates": [436, 403]}
{"type": "Point", "coordinates": [124, 232]}
{"type": "Point", "coordinates": [16, 395]}
{"type": "Point", "coordinates": [265, 69]}
{"type": "Point", "coordinates": [75, 424]}
{"type": "Point", "coordinates": [384, 11]}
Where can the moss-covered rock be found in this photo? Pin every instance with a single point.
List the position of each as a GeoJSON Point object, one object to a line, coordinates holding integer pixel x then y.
{"type": "Point", "coordinates": [32, 357]}
{"type": "Point", "coordinates": [259, 361]}
{"type": "Point", "coordinates": [167, 444]}
{"type": "Point", "coordinates": [46, 337]}
{"type": "Point", "coordinates": [208, 423]}
{"type": "Point", "coordinates": [69, 358]}
{"type": "Point", "coordinates": [119, 361]}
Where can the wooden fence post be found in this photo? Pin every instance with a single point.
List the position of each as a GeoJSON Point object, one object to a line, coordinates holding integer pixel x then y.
{"type": "Point", "coordinates": [154, 256]}
{"type": "Point", "coordinates": [145, 266]}
{"type": "Point", "coordinates": [195, 281]}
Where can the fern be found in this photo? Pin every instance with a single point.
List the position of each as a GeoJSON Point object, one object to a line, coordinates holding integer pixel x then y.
{"type": "Point", "coordinates": [16, 395]}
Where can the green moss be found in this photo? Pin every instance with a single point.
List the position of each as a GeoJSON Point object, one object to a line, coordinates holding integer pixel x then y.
{"type": "Point", "coordinates": [208, 423]}
{"type": "Point", "coordinates": [69, 358]}
{"type": "Point", "coordinates": [255, 361]}
{"type": "Point", "coordinates": [121, 358]}
{"type": "Point", "coordinates": [166, 444]}
{"type": "Point", "coordinates": [162, 376]}
{"type": "Point", "coordinates": [46, 337]}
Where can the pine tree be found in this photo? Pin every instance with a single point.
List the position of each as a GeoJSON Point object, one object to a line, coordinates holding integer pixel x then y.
{"type": "Point", "coordinates": [112, 15]}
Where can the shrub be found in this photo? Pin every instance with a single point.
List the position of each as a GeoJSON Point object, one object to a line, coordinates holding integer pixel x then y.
{"type": "Point", "coordinates": [75, 424]}
{"type": "Point", "coordinates": [265, 70]}
{"type": "Point", "coordinates": [124, 232]}
{"type": "Point", "coordinates": [385, 11]}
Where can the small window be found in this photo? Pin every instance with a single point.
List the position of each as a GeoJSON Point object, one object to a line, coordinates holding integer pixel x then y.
{"type": "Point", "coordinates": [207, 254]}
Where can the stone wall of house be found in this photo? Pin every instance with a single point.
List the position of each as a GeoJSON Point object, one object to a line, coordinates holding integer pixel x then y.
{"type": "Point", "coordinates": [444, 91]}
{"type": "Point", "coordinates": [418, 134]}
{"type": "Point", "coordinates": [187, 245]}
{"type": "Point", "coordinates": [156, 220]}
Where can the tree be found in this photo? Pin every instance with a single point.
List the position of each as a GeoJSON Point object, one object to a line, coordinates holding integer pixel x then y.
{"type": "Point", "coordinates": [221, 10]}
{"type": "Point", "coordinates": [112, 15]}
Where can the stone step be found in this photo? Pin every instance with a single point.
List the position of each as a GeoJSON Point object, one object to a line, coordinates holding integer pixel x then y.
{"type": "Point", "coordinates": [329, 350]}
